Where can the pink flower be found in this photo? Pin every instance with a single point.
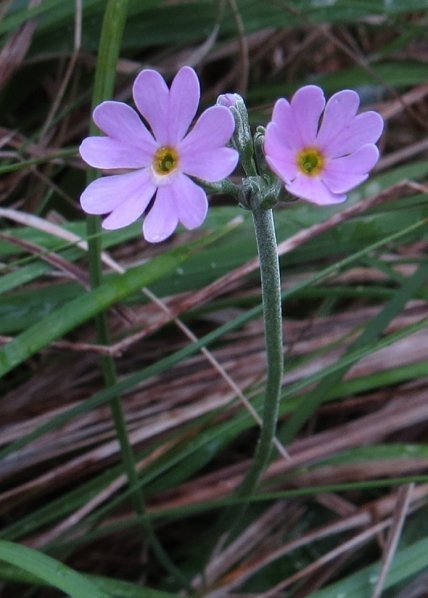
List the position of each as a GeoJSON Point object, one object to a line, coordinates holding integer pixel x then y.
{"type": "Point", "coordinates": [161, 160]}
{"type": "Point", "coordinates": [322, 161]}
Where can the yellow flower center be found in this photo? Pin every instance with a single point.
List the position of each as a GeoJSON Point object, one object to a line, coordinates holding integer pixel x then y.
{"type": "Point", "coordinates": [165, 160]}
{"type": "Point", "coordinates": [310, 161]}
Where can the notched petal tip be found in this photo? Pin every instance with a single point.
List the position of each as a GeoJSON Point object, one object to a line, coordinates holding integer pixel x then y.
{"type": "Point", "coordinates": [377, 124]}
{"type": "Point", "coordinates": [281, 106]}
{"type": "Point", "coordinates": [308, 93]}
{"type": "Point", "coordinates": [183, 103]}
{"type": "Point", "coordinates": [346, 96]}
{"type": "Point", "coordinates": [227, 121]}
{"type": "Point", "coordinates": [151, 96]}
{"type": "Point", "coordinates": [307, 105]}
{"type": "Point", "coordinates": [188, 72]}
{"type": "Point", "coordinates": [213, 130]}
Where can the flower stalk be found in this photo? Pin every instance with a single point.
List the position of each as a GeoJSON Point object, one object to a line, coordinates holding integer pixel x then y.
{"type": "Point", "coordinates": [272, 314]}
{"type": "Point", "coordinates": [258, 192]}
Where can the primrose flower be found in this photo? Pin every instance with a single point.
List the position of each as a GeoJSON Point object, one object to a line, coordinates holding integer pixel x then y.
{"type": "Point", "coordinates": [158, 162]}
{"type": "Point", "coordinates": [321, 151]}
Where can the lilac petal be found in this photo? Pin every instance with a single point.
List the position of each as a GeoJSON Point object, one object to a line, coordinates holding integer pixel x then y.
{"type": "Point", "coordinates": [162, 219]}
{"type": "Point", "coordinates": [340, 183]}
{"type": "Point", "coordinates": [281, 159]}
{"type": "Point", "coordinates": [339, 111]}
{"type": "Point", "coordinates": [190, 200]}
{"type": "Point", "coordinates": [343, 174]}
{"type": "Point", "coordinates": [363, 129]}
{"type": "Point", "coordinates": [131, 209]}
{"type": "Point", "coordinates": [286, 171]}
{"type": "Point", "coordinates": [107, 193]}
{"type": "Point", "coordinates": [359, 162]}
{"type": "Point", "coordinates": [307, 105]}
{"type": "Point", "coordinates": [275, 144]}
{"type": "Point", "coordinates": [151, 96]}
{"type": "Point", "coordinates": [284, 167]}
{"type": "Point", "coordinates": [211, 165]}
{"type": "Point", "coordinates": [213, 129]}
{"type": "Point", "coordinates": [282, 117]}
{"type": "Point", "coordinates": [104, 152]}
{"type": "Point", "coordinates": [120, 122]}
{"type": "Point", "coordinates": [183, 103]}
{"type": "Point", "coordinates": [313, 189]}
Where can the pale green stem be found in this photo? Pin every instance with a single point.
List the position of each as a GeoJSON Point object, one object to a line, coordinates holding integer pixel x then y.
{"type": "Point", "coordinates": [110, 42]}
{"type": "Point", "coordinates": [271, 295]}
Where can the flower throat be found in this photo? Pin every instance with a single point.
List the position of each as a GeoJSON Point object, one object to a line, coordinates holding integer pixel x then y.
{"type": "Point", "coordinates": [310, 161]}
{"type": "Point", "coordinates": [165, 160]}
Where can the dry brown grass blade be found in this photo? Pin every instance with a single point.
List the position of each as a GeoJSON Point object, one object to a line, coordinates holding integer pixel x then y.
{"type": "Point", "coordinates": [248, 541]}
{"type": "Point", "coordinates": [69, 70]}
{"type": "Point", "coordinates": [402, 155]}
{"type": "Point", "coordinates": [396, 106]}
{"type": "Point", "coordinates": [366, 515]}
{"type": "Point", "coordinates": [179, 305]}
{"type": "Point", "coordinates": [71, 270]}
{"type": "Point", "coordinates": [231, 280]}
{"type": "Point", "coordinates": [402, 413]}
{"type": "Point", "coordinates": [193, 390]}
{"type": "Point", "coordinates": [243, 66]}
{"type": "Point", "coordinates": [15, 49]}
{"type": "Point", "coordinates": [404, 497]}
{"type": "Point", "coordinates": [60, 262]}
{"type": "Point", "coordinates": [93, 459]}
{"type": "Point", "coordinates": [351, 50]}
{"type": "Point", "coordinates": [350, 545]}
{"type": "Point", "coordinates": [68, 268]}
{"type": "Point", "coordinates": [102, 497]}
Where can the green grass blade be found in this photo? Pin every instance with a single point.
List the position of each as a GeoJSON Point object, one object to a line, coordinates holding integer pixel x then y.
{"type": "Point", "coordinates": [49, 570]}
{"type": "Point", "coordinates": [370, 334]}
{"type": "Point", "coordinates": [408, 561]}
{"type": "Point", "coordinates": [86, 306]}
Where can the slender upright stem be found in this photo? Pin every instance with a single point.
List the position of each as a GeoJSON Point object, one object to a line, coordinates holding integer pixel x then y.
{"type": "Point", "coordinates": [110, 42]}
{"type": "Point", "coordinates": [271, 294]}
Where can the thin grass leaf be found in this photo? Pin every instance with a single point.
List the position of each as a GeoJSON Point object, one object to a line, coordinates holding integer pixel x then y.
{"type": "Point", "coordinates": [370, 334]}
{"type": "Point", "coordinates": [408, 562]}
{"type": "Point", "coordinates": [86, 306]}
{"type": "Point", "coordinates": [51, 571]}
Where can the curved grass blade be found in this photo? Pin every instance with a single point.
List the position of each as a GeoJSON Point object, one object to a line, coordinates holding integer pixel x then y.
{"type": "Point", "coordinates": [115, 587]}
{"type": "Point", "coordinates": [408, 562]}
{"type": "Point", "coordinates": [89, 304]}
{"type": "Point", "coordinates": [50, 570]}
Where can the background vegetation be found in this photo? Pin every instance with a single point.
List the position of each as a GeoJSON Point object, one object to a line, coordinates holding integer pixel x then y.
{"type": "Point", "coordinates": [186, 329]}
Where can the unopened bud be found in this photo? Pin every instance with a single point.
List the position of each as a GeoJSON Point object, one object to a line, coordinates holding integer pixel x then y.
{"type": "Point", "coordinates": [228, 99]}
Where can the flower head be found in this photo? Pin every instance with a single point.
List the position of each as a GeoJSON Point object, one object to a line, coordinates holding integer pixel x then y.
{"type": "Point", "coordinates": [321, 151]}
{"type": "Point", "coordinates": [160, 160]}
